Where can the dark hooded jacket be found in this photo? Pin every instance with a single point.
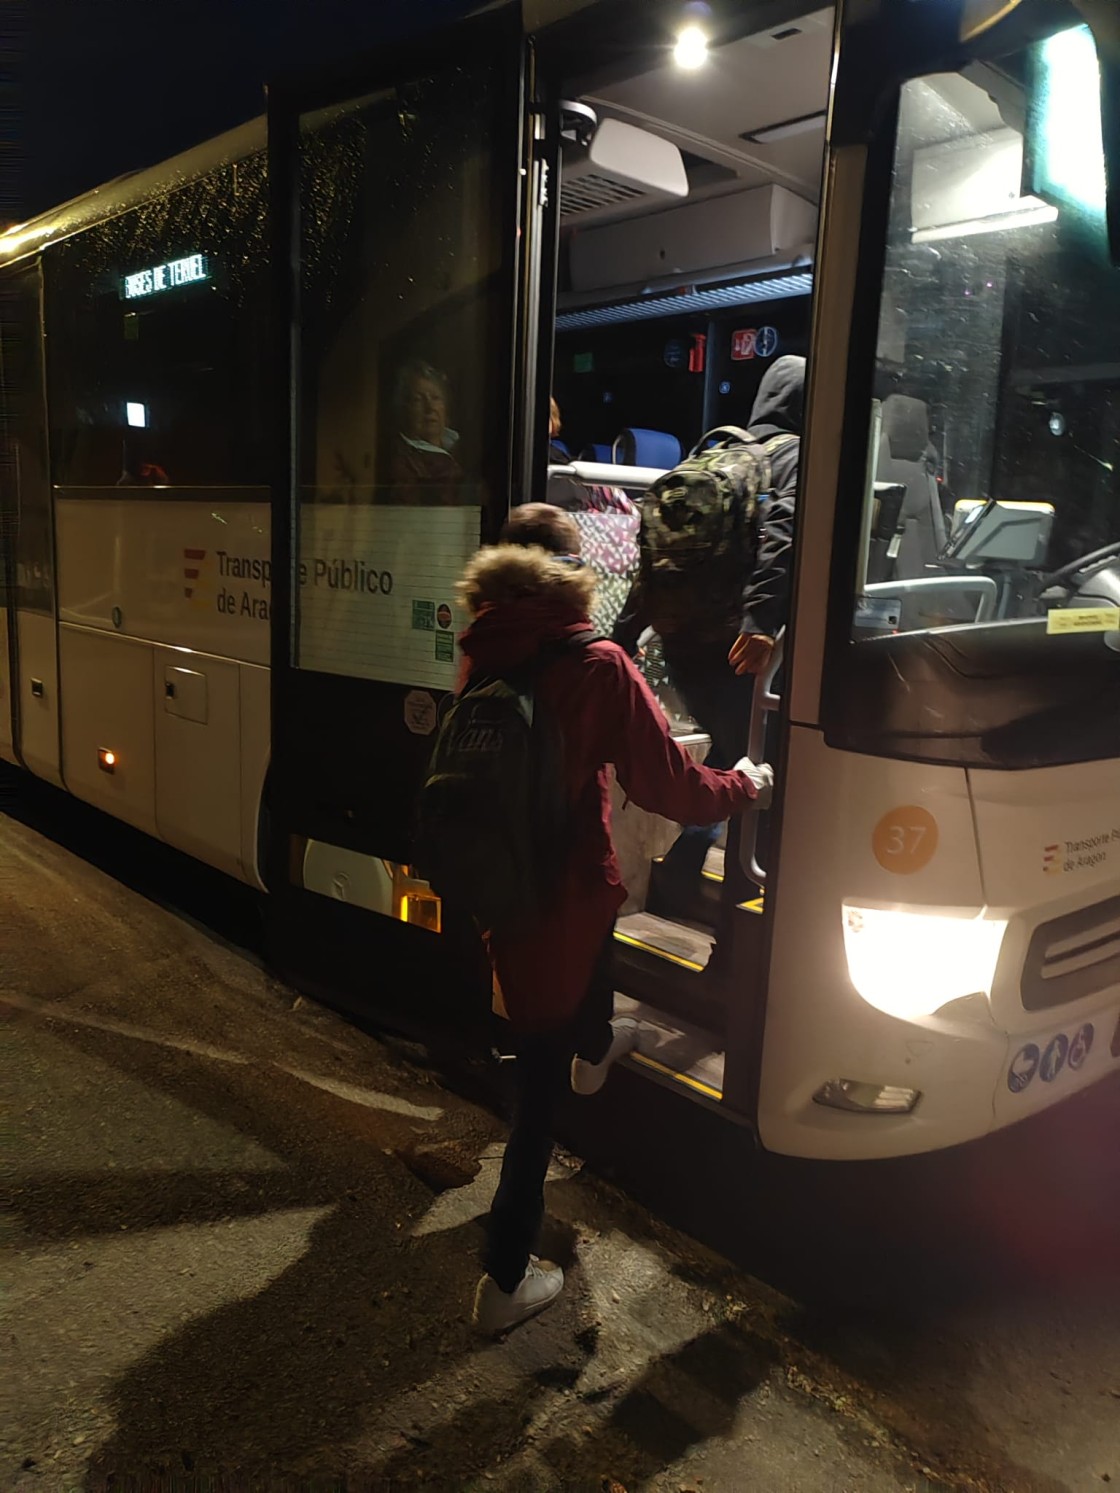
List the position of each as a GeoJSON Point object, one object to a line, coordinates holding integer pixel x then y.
{"type": "Point", "coordinates": [606, 717]}
{"type": "Point", "coordinates": [778, 409]}
{"type": "Point", "coordinates": [779, 406]}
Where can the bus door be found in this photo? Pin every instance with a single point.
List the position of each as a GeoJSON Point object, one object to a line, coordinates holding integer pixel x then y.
{"type": "Point", "coordinates": [407, 199]}
{"type": "Point", "coordinates": [29, 712]}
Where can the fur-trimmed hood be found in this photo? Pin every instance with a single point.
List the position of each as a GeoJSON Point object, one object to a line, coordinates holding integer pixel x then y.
{"type": "Point", "coordinates": [520, 597]}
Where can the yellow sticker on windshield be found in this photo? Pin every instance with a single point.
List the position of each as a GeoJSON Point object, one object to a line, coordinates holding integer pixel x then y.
{"type": "Point", "coordinates": [1083, 619]}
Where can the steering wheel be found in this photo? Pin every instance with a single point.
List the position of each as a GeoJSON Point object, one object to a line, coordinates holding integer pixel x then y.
{"type": "Point", "coordinates": [1095, 557]}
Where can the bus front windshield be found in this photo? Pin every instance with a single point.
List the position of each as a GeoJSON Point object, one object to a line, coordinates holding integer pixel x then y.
{"type": "Point", "coordinates": [990, 547]}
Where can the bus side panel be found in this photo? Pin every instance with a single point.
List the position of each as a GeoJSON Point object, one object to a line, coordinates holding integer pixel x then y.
{"type": "Point", "coordinates": [187, 582]}
{"type": "Point", "coordinates": [197, 708]}
{"type": "Point", "coordinates": [168, 567]}
{"type": "Point", "coordinates": [6, 751]}
{"type": "Point", "coordinates": [839, 809]}
{"type": "Point", "coordinates": [38, 695]}
{"type": "Point", "coordinates": [106, 686]}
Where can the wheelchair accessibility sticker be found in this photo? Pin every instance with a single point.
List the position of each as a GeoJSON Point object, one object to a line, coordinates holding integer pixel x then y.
{"type": "Point", "coordinates": [1079, 1047]}
{"type": "Point", "coordinates": [1061, 1051]}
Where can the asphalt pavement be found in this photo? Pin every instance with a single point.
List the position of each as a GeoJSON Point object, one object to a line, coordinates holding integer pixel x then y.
{"type": "Point", "coordinates": [243, 1236]}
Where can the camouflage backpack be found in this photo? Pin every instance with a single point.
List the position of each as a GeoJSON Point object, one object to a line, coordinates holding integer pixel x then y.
{"type": "Point", "coordinates": [699, 533]}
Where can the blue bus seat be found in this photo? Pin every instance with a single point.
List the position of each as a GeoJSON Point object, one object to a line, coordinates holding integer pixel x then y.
{"type": "Point", "coordinates": [647, 448]}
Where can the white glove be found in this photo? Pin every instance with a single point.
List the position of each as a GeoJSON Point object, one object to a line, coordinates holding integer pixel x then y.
{"type": "Point", "coordinates": [762, 776]}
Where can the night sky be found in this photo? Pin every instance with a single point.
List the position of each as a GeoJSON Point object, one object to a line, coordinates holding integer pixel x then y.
{"type": "Point", "coordinates": [100, 87]}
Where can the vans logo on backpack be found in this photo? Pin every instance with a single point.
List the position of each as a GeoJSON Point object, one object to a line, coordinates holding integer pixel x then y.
{"type": "Point", "coordinates": [481, 738]}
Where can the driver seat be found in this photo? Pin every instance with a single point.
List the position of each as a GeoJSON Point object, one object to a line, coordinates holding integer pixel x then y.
{"type": "Point", "coordinates": [906, 457]}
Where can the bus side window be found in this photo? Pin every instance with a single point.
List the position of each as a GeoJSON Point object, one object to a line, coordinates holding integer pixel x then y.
{"type": "Point", "coordinates": [156, 322]}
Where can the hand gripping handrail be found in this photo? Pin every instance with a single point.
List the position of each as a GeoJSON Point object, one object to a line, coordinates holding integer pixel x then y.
{"type": "Point", "coordinates": [763, 702]}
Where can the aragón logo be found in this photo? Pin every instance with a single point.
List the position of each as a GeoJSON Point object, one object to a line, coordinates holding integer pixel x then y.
{"type": "Point", "coordinates": [192, 561]}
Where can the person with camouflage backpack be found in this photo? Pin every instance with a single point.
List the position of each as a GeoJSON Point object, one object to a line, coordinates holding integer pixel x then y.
{"type": "Point", "coordinates": [713, 583]}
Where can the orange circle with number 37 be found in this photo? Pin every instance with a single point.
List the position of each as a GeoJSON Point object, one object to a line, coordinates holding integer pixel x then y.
{"type": "Point", "coordinates": [905, 840]}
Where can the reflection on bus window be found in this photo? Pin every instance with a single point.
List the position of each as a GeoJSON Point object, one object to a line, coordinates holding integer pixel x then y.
{"type": "Point", "coordinates": [423, 468]}
{"type": "Point", "coordinates": [400, 296]}
{"type": "Point", "coordinates": [998, 386]}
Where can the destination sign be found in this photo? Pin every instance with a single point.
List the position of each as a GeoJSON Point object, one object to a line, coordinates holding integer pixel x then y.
{"type": "Point", "coordinates": [175, 272]}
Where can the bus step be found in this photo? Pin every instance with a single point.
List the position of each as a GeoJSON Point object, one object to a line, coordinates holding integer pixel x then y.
{"type": "Point", "coordinates": [675, 1052]}
{"type": "Point", "coordinates": [679, 943]}
{"type": "Point", "coordinates": [662, 963]}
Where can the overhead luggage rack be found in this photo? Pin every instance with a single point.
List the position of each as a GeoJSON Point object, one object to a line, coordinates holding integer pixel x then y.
{"type": "Point", "coordinates": [682, 302]}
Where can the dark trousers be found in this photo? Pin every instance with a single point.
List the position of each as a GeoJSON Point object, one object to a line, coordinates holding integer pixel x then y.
{"type": "Point", "coordinates": [719, 701]}
{"type": "Point", "coordinates": [541, 1076]}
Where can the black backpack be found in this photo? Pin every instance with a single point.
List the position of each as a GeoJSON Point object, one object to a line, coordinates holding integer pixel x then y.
{"type": "Point", "coordinates": [699, 533]}
{"type": "Point", "coordinates": [494, 815]}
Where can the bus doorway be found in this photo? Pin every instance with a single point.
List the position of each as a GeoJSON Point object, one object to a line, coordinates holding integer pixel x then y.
{"type": "Point", "coordinates": [675, 295]}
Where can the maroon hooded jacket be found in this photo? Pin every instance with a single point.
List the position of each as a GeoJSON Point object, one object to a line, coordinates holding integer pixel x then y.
{"type": "Point", "coordinates": [606, 715]}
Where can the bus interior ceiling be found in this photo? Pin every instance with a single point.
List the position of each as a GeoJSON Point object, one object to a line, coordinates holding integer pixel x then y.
{"type": "Point", "coordinates": [654, 287]}
{"type": "Point", "coordinates": [673, 301]}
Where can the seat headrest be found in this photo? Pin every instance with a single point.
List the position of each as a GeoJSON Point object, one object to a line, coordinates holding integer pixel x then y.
{"type": "Point", "coordinates": [647, 448]}
{"type": "Point", "coordinates": [597, 453]}
{"type": "Point", "coordinates": [905, 427]}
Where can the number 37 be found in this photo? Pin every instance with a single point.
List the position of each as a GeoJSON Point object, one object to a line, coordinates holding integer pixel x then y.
{"type": "Point", "coordinates": [905, 840]}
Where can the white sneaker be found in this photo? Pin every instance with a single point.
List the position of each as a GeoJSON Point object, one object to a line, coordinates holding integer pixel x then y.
{"type": "Point", "coordinates": [589, 1078]}
{"type": "Point", "coordinates": [497, 1311]}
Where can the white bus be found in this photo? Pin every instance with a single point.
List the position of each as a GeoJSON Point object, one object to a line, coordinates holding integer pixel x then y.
{"type": "Point", "coordinates": [261, 403]}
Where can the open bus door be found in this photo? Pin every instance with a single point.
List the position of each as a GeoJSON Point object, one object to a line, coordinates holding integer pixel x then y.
{"type": "Point", "coordinates": [408, 201]}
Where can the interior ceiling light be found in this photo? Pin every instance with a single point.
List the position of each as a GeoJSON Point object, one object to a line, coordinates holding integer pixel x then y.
{"type": "Point", "coordinates": [784, 131]}
{"type": "Point", "coordinates": [691, 50]}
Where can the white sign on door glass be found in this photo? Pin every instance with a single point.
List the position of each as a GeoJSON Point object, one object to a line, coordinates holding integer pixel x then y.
{"type": "Point", "coordinates": [377, 599]}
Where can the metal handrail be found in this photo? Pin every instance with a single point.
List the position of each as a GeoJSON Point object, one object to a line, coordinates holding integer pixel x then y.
{"type": "Point", "coordinates": [606, 474]}
{"type": "Point", "coordinates": [922, 585]}
{"type": "Point", "coordinates": [763, 703]}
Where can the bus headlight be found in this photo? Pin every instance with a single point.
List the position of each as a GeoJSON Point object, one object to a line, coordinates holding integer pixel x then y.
{"type": "Point", "coordinates": [912, 963]}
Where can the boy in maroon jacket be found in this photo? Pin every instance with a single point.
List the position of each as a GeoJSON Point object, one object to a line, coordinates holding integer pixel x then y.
{"type": "Point", "coordinates": [555, 977]}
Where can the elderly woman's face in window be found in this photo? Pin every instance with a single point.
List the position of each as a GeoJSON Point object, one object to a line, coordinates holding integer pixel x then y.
{"type": "Point", "coordinates": [425, 411]}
